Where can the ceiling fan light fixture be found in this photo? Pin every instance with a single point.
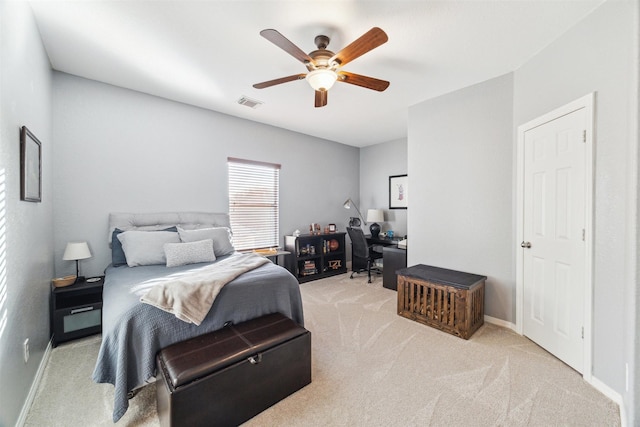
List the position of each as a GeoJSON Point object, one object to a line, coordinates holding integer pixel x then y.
{"type": "Point", "coordinates": [321, 79]}
{"type": "Point", "coordinates": [325, 67]}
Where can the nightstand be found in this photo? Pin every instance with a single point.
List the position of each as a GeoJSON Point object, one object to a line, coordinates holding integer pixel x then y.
{"type": "Point", "coordinates": [76, 311]}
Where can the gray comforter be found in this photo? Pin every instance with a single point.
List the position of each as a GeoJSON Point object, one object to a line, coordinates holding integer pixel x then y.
{"type": "Point", "coordinates": [133, 332]}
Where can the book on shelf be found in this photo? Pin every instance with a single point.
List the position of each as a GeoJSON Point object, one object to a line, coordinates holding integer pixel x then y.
{"type": "Point", "coordinates": [308, 268]}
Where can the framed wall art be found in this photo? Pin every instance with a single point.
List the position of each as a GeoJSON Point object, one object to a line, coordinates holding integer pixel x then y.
{"type": "Point", "coordinates": [30, 166]}
{"type": "Point", "coordinates": [398, 192]}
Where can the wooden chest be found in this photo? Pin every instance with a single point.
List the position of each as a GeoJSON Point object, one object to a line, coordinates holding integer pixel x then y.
{"type": "Point", "coordinates": [449, 300]}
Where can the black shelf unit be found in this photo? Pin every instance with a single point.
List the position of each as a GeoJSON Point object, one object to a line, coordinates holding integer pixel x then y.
{"type": "Point", "coordinates": [314, 257]}
{"type": "Point", "coordinates": [76, 311]}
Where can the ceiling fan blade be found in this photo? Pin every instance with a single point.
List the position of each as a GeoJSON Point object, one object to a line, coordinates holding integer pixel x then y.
{"type": "Point", "coordinates": [285, 44]}
{"type": "Point", "coordinates": [321, 98]}
{"type": "Point", "coordinates": [368, 41]}
{"type": "Point", "coordinates": [363, 81]}
{"type": "Point", "coordinates": [279, 81]}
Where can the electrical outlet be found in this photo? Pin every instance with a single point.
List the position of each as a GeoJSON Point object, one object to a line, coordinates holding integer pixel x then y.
{"type": "Point", "coordinates": [26, 350]}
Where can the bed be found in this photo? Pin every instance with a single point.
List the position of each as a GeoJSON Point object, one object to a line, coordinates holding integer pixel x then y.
{"type": "Point", "coordinates": [133, 332]}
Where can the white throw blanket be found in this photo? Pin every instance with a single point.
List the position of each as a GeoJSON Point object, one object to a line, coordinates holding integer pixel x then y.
{"type": "Point", "coordinates": [190, 295]}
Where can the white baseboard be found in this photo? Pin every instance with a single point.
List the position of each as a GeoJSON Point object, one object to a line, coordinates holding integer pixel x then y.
{"type": "Point", "coordinates": [613, 395]}
{"type": "Point", "coordinates": [500, 322]}
{"type": "Point", "coordinates": [34, 386]}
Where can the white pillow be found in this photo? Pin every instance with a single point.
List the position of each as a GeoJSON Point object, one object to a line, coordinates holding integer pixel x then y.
{"type": "Point", "coordinates": [221, 237]}
{"type": "Point", "coordinates": [146, 248]}
{"type": "Point", "coordinates": [189, 253]}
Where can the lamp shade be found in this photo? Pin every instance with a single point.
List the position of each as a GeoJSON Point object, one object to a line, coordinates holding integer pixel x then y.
{"type": "Point", "coordinates": [375, 215]}
{"type": "Point", "coordinates": [76, 250]}
{"type": "Point", "coordinates": [321, 79]}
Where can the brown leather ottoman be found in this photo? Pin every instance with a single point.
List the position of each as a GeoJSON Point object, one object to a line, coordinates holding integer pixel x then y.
{"type": "Point", "coordinates": [228, 376]}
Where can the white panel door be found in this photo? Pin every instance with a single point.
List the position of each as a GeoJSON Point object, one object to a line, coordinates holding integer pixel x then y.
{"type": "Point", "coordinates": [554, 226]}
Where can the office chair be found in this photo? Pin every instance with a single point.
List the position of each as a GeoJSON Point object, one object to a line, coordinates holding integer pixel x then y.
{"type": "Point", "coordinates": [363, 256]}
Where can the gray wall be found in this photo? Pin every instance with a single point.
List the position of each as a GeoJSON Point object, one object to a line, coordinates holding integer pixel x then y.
{"type": "Point", "coordinates": [462, 144]}
{"type": "Point", "coordinates": [26, 237]}
{"type": "Point", "coordinates": [600, 55]}
{"type": "Point", "coordinates": [377, 163]}
{"type": "Point", "coordinates": [119, 150]}
{"type": "Point", "coordinates": [461, 186]}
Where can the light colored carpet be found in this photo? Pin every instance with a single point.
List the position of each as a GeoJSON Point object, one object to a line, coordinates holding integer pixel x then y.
{"type": "Point", "coordinates": [371, 367]}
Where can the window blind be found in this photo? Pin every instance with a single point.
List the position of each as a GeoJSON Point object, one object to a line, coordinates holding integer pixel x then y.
{"type": "Point", "coordinates": [254, 200]}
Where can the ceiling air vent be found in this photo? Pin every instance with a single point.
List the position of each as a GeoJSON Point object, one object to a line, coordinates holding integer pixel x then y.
{"type": "Point", "coordinates": [253, 103]}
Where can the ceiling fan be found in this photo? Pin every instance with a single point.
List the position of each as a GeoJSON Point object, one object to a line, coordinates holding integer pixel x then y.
{"type": "Point", "coordinates": [325, 66]}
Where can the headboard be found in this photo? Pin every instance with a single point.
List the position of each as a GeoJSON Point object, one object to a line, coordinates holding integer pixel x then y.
{"type": "Point", "coordinates": [162, 220]}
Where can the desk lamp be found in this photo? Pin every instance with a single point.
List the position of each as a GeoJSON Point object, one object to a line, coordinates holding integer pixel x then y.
{"type": "Point", "coordinates": [375, 216]}
{"type": "Point", "coordinates": [76, 251]}
{"type": "Point", "coordinates": [354, 221]}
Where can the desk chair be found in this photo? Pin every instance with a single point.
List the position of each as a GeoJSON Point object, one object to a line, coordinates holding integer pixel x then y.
{"type": "Point", "coordinates": [363, 256]}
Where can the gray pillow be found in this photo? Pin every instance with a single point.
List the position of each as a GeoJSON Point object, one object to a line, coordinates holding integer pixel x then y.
{"type": "Point", "coordinates": [117, 254]}
{"type": "Point", "coordinates": [221, 237]}
{"type": "Point", "coordinates": [189, 253]}
{"type": "Point", "coordinates": [144, 248]}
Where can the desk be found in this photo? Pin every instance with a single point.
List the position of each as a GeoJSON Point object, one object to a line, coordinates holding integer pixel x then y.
{"type": "Point", "coordinates": [393, 259]}
{"type": "Point", "coordinates": [381, 241]}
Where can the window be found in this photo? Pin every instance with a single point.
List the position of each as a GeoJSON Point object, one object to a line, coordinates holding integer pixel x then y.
{"type": "Point", "coordinates": [254, 203]}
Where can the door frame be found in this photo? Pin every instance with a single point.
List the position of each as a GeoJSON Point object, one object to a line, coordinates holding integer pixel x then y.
{"type": "Point", "coordinates": [587, 102]}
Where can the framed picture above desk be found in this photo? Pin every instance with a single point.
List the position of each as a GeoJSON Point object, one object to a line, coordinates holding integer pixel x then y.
{"type": "Point", "coordinates": [398, 192]}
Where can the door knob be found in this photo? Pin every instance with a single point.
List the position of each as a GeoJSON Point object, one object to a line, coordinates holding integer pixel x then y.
{"type": "Point", "coordinates": [526, 245]}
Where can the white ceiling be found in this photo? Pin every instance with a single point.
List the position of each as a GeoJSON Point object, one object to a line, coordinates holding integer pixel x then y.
{"type": "Point", "coordinates": [209, 53]}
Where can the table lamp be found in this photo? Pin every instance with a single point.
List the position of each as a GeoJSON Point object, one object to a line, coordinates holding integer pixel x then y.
{"type": "Point", "coordinates": [76, 251]}
{"type": "Point", "coordinates": [375, 216]}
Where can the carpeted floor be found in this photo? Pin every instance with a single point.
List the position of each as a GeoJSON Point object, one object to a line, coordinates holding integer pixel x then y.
{"type": "Point", "coordinates": [371, 367]}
